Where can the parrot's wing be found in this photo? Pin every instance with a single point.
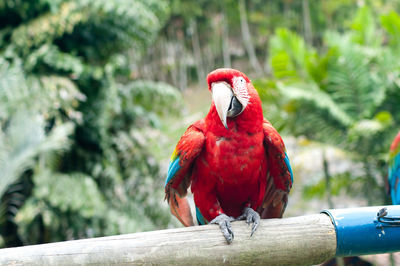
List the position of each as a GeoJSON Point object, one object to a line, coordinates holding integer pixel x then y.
{"type": "Point", "coordinates": [180, 171]}
{"type": "Point", "coordinates": [279, 177]}
{"type": "Point", "coordinates": [394, 170]}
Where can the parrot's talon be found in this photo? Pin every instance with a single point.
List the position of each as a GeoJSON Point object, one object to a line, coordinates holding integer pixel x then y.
{"type": "Point", "coordinates": [224, 223]}
{"type": "Point", "coordinates": [250, 216]}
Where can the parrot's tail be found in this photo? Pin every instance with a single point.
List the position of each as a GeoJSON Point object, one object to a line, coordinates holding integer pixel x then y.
{"type": "Point", "coordinates": [180, 208]}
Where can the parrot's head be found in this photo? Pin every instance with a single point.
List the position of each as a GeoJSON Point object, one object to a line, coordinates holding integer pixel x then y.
{"type": "Point", "coordinates": [230, 92]}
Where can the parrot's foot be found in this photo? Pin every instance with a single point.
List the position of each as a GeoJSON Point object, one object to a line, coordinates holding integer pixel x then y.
{"type": "Point", "coordinates": [224, 223]}
{"type": "Point", "coordinates": [250, 216]}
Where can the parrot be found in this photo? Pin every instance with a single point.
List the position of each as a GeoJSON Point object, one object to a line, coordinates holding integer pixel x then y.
{"type": "Point", "coordinates": [233, 159]}
{"type": "Point", "coordinates": [394, 170]}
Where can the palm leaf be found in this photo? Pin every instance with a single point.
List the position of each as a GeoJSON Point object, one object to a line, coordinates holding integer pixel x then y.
{"type": "Point", "coordinates": [290, 56]}
{"type": "Point", "coordinates": [353, 85]}
{"type": "Point", "coordinates": [23, 141]}
{"type": "Point", "coordinates": [312, 94]}
{"type": "Point", "coordinates": [391, 23]}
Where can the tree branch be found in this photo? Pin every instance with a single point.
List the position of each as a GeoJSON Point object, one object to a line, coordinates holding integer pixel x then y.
{"type": "Point", "coordinates": [300, 240]}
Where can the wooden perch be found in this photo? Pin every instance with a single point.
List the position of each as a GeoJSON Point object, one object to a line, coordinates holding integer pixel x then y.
{"type": "Point", "coordinates": [300, 240]}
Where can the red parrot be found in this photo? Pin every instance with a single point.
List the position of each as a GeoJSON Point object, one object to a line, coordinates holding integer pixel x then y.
{"type": "Point", "coordinates": [233, 159]}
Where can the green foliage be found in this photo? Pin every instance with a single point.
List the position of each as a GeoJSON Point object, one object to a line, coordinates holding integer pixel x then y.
{"type": "Point", "coordinates": [22, 116]}
{"type": "Point", "coordinates": [74, 155]}
{"type": "Point", "coordinates": [291, 56]}
{"type": "Point", "coordinates": [96, 24]}
{"type": "Point", "coordinates": [345, 182]}
{"type": "Point", "coordinates": [391, 23]}
{"type": "Point", "coordinates": [153, 96]}
{"type": "Point", "coordinates": [84, 199]}
{"type": "Point", "coordinates": [364, 28]}
{"type": "Point", "coordinates": [341, 95]}
{"type": "Point", "coordinates": [354, 84]}
{"type": "Point", "coordinates": [23, 140]}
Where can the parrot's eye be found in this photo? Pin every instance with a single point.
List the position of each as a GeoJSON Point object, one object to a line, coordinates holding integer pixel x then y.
{"type": "Point", "coordinates": [242, 80]}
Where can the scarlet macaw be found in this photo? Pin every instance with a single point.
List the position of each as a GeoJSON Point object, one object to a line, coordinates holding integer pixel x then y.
{"type": "Point", "coordinates": [233, 159]}
{"type": "Point", "coordinates": [394, 170]}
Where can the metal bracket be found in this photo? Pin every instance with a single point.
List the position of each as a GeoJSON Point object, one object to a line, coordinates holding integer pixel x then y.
{"type": "Point", "coordinates": [386, 221]}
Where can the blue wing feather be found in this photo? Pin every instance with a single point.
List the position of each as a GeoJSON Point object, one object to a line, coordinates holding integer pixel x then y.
{"type": "Point", "coordinates": [200, 218]}
{"type": "Point", "coordinates": [288, 166]}
{"type": "Point", "coordinates": [394, 179]}
{"type": "Point", "coordinates": [172, 169]}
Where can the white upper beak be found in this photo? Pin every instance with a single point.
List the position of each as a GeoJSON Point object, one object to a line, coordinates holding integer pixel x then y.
{"type": "Point", "coordinates": [222, 95]}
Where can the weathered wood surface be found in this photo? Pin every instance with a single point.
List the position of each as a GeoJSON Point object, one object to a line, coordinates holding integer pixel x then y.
{"type": "Point", "coordinates": [300, 240]}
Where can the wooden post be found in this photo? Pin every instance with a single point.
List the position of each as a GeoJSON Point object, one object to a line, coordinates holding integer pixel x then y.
{"type": "Point", "coordinates": [300, 240]}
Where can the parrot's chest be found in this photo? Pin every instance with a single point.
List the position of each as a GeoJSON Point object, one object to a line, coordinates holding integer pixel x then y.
{"type": "Point", "coordinates": [236, 159]}
{"type": "Point", "coordinates": [234, 168]}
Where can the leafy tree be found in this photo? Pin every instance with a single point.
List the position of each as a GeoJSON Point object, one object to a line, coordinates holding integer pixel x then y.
{"type": "Point", "coordinates": [343, 94]}
{"type": "Point", "coordinates": [74, 159]}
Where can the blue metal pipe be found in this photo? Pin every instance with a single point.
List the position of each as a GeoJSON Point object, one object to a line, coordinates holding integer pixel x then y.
{"type": "Point", "coordinates": [367, 230]}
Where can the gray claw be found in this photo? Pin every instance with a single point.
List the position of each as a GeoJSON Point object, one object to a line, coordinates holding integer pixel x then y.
{"type": "Point", "coordinates": [251, 216]}
{"type": "Point", "coordinates": [224, 223]}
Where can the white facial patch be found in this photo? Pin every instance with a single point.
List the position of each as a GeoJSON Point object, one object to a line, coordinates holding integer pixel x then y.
{"type": "Point", "coordinates": [240, 90]}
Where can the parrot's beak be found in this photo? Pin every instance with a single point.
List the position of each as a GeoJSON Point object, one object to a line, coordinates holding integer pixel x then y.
{"type": "Point", "coordinates": [226, 103]}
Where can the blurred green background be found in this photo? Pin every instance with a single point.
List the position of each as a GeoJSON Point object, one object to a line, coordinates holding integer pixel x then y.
{"type": "Point", "coordinates": [95, 94]}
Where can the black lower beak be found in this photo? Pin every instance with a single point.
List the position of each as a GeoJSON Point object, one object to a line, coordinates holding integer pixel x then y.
{"type": "Point", "coordinates": [235, 107]}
